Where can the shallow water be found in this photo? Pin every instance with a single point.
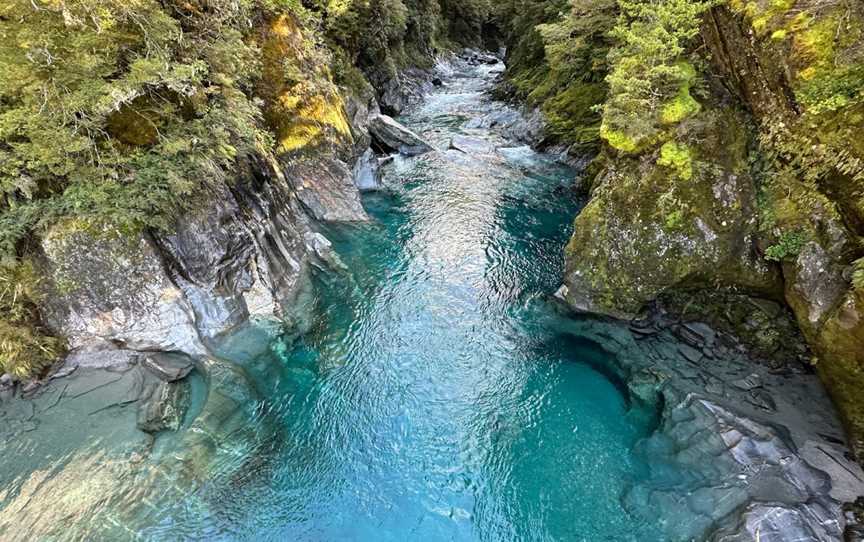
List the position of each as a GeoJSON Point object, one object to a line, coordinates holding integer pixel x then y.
{"type": "Point", "coordinates": [430, 400]}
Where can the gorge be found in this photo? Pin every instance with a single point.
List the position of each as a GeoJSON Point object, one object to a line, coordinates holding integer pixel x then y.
{"type": "Point", "coordinates": [270, 310]}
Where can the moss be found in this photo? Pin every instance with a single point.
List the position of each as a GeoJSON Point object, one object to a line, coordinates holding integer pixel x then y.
{"type": "Point", "coordinates": [304, 107]}
{"type": "Point", "coordinates": [619, 140]}
{"type": "Point", "coordinates": [678, 158]}
{"type": "Point", "coordinates": [779, 35]}
{"type": "Point", "coordinates": [841, 363]}
{"type": "Point", "coordinates": [571, 115]}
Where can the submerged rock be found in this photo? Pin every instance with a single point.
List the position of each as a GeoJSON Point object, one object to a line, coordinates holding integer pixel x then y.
{"type": "Point", "coordinates": [392, 136]}
{"type": "Point", "coordinates": [472, 145]}
{"type": "Point", "coordinates": [167, 366]}
{"type": "Point", "coordinates": [783, 472]}
{"type": "Point", "coordinates": [163, 406]}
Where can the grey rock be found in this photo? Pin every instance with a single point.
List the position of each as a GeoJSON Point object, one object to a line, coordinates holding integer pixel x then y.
{"type": "Point", "coordinates": [100, 355]}
{"type": "Point", "coordinates": [6, 380]}
{"type": "Point", "coordinates": [367, 172]}
{"type": "Point", "coordinates": [700, 332]}
{"type": "Point", "coordinates": [783, 523]}
{"type": "Point", "coordinates": [325, 186]}
{"type": "Point", "coordinates": [817, 277]}
{"type": "Point", "coordinates": [163, 407]}
{"type": "Point", "coordinates": [690, 353]}
{"type": "Point", "coordinates": [747, 383]}
{"type": "Point", "coordinates": [168, 366]}
{"type": "Point", "coordinates": [406, 89]}
{"type": "Point", "coordinates": [323, 249]}
{"type": "Point", "coordinates": [391, 135]}
{"type": "Point", "coordinates": [112, 285]}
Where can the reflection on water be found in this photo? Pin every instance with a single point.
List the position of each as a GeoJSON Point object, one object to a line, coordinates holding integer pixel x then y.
{"type": "Point", "coordinates": [430, 401]}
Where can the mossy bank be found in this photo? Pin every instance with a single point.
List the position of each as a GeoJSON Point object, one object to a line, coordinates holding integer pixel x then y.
{"type": "Point", "coordinates": [727, 145]}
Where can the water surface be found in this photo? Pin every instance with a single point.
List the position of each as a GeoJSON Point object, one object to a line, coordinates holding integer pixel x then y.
{"type": "Point", "coordinates": [429, 401]}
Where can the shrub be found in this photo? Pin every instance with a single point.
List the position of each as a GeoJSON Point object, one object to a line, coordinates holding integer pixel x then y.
{"type": "Point", "coordinates": [787, 246]}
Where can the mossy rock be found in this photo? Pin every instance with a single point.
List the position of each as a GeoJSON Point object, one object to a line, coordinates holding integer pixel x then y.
{"type": "Point", "coordinates": [839, 343]}
{"type": "Point", "coordinates": [655, 223]}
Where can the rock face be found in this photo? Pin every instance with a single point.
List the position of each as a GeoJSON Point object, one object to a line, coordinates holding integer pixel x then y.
{"type": "Point", "coordinates": [367, 172]}
{"type": "Point", "coordinates": [646, 230]}
{"type": "Point", "coordinates": [113, 286]}
{"type": "Point", "coordinates": [243, 251]}
{"type": "Point", "coordinates": [392, 136]}
{"type": "Point", "coordinates": [692, 209]}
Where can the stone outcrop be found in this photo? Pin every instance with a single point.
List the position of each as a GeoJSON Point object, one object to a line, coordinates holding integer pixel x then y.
{"type": "Point", "coordinates": [698, 212]}
{"type": "Point", "coordinates": [759, 448]}
{"type": "Point", "coordinates": [392, 136]}
{"type": "Point", "coordinates": [646, 230]}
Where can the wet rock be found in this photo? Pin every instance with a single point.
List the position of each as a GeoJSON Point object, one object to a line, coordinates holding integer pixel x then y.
{"type": "Point", "coordinates": [404, 90]}
{"type": "Point", "coordinates": [367, 172]}
{"type": "Point", "coordinates": [323, 249]}
{"type": "Point", "coordinates": [690, 353]}
{"type": "Point", "coordinates": [162, 407]}
{"type": "Point", "coordinates": [698, 334]}
{"type": "Point", "coordinates": [513, 124]}
{"type": "Point", "coordinates": [6, 380]}
{"type": "Point", "coordinates": [167, 366]}
{"type": "Point", "coordinates": [391, 135]}
{"type": "Point", "coordinates": [747, 383]}
{"type": "Point", "coordinates": [783, 523]}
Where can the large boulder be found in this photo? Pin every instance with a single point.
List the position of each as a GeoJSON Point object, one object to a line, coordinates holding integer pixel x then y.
{"type": "Point", "coordinates": [392, 136]}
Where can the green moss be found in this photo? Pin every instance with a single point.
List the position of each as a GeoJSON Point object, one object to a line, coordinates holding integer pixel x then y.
{"type": "Point", "coordinates": [619, 140]}
{"type": "Point", "coordinates": [678, 158]}
{"type": "Point", "coordinates": [779, 35]}
{"type": "Point", "coordinates": [674, 220]}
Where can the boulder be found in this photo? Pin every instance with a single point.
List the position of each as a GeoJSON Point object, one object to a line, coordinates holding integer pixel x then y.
{"type": "Point", "coordinates": [649, 229]}
{"type": "Point", "coordinates": [163, 407]}
{"type": "Point", "coordinates": [105, 283]}
{"type": "Point", "coordinates": [168, 366]}
{"type": "Point", "coordinates": [392, 136]}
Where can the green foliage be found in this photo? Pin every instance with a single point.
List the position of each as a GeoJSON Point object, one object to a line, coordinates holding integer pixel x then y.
{"type": "Point", "coordinates": [381, 37]}
{"type": "Point", "coordinates": [25, 348]}
{"type": "Point", "coordinates": [558, 62]}
{"type": "Point", "coordinates": [116, 110]}
{"type": "Point", "coordinates": [649, 82]}
{"type": "Point", "coordinates": [787, 246]}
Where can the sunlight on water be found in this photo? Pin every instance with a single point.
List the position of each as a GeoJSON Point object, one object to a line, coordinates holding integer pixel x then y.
{"type": "Point", "coordinates": [428, 402]}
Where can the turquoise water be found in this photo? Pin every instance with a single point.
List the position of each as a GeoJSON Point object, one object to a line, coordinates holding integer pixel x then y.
{"type": "Point", "coordinates": [430, 399]}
